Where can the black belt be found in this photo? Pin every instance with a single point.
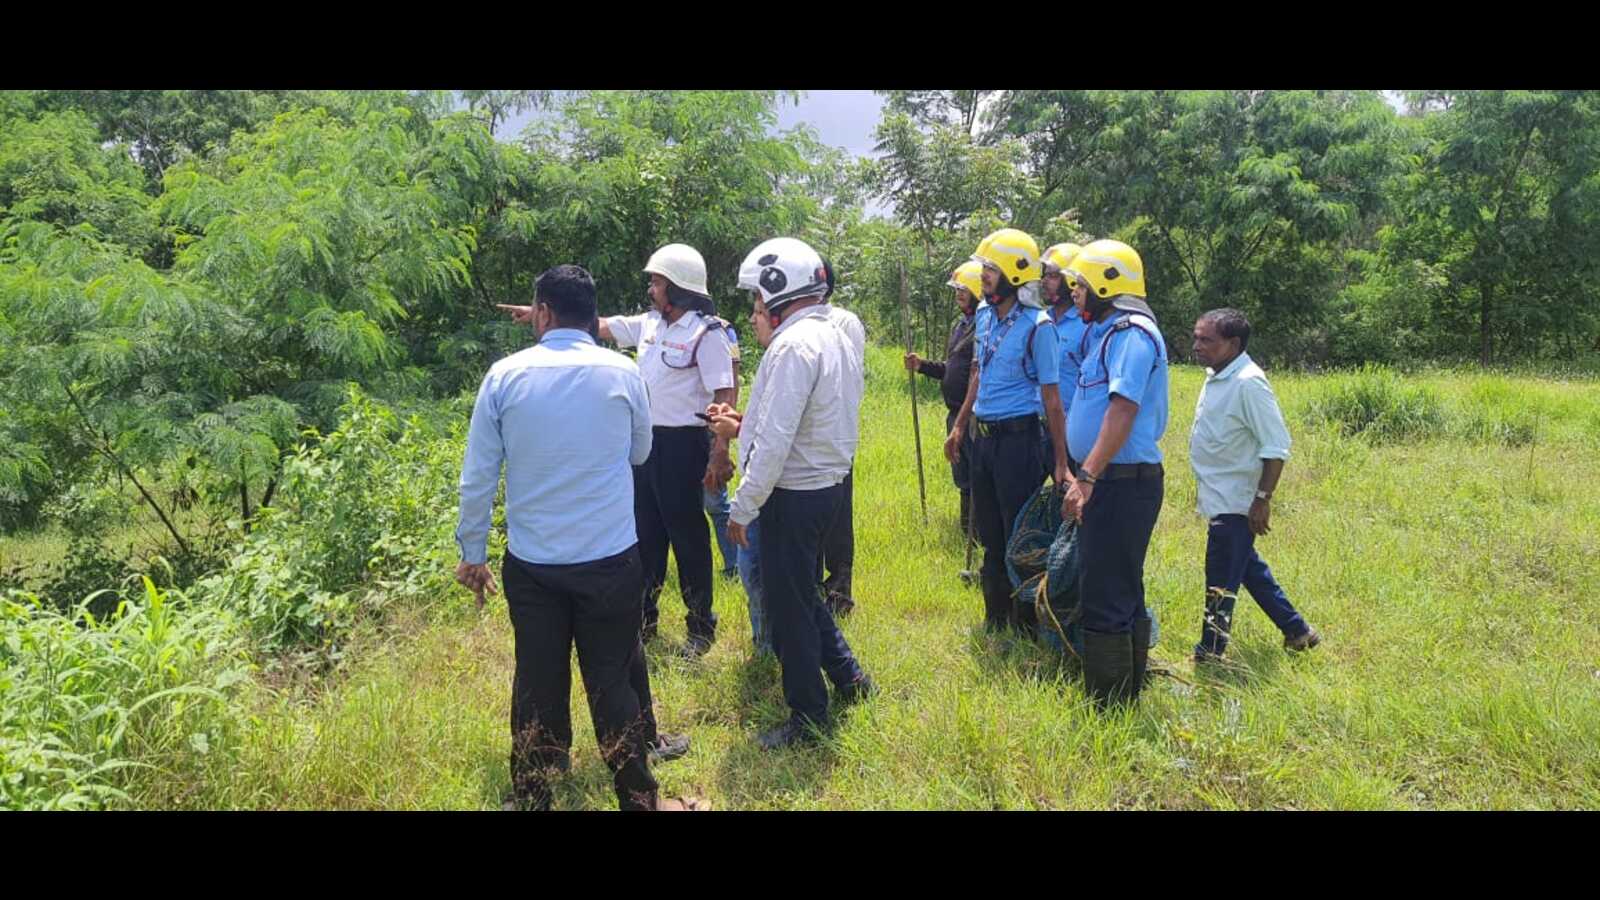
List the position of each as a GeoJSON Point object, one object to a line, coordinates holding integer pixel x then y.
{"type": "Point", "coordinates": [1120, 471]}
{"type": "Point", "coordinates": [1005, 426]}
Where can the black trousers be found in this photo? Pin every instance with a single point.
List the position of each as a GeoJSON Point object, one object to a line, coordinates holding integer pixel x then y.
{"type": "Point", "coordinates": [595, 605]}
{"type": "Point", "coordinates": [961, 469]}
{"type": "Point", "coordinates": [669, 509]}
{"type": "Point", "coordinates": [839, 545]}
{"type": "Point", "coordinates": [1006, 473]}
{"type": "Point", "coordinates": [1117, 525]}
{"type": "Point", "coordinates": [804, 635]}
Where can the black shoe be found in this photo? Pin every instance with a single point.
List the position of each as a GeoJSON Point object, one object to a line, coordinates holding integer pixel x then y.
{"type": "Point", "coordinates": [840, 605]}
{"type": "Point", "coordinates": [856, 691]}
{"type": "Point", "coordinates": [1302, 642]}
{"type": "Point", "coordinates": [667, 747]}
{"type": "Point", "coordinates": [786, 735]}
{"type": "Point", "coordinates": [696, 646]}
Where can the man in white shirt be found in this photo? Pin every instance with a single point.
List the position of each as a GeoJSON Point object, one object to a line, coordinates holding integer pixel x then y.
{"type": "Point", "coordinates": [799, 435]}
{"type": "Point", "coordinates": [839, 546]}
{"type": "Point", "coordinates": [685, 360]}
{"type": "Point", "coordinates": [1237, 448]}
{"type": "Point", "coordinates": [685, 371]}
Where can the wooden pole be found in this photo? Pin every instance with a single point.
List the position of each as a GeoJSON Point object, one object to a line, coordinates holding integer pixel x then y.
{"type": "Point", "coordinates": [911, 378]}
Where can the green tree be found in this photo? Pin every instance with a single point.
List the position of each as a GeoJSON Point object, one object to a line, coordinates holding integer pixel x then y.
{"type": "Point", "coordinates": [1503, 206]}
{"type": "Point", "coordinates": [53, 169]}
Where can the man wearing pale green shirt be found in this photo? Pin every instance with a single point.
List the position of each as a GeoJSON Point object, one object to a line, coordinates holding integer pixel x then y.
{"type": "Point", "coordinates": [1237, 448]}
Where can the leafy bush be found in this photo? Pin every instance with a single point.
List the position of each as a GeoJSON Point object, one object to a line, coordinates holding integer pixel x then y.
{"type": "Point", "coordinates": [1378, 404]}
{"type": "Point", "coordinates": [365, 516]}
{"type": "Point", "coordinates": [95, 708]}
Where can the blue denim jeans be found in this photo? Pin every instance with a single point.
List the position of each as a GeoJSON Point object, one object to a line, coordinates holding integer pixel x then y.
{"type": "Point", "coordinates": [750, 573]}
{"type": "Point", "coordinates": [1232, 562]}
{"type": "Point", "coordinates": [717, 508]}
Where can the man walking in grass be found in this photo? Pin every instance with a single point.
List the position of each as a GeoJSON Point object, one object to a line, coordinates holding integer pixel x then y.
{"type": "Point", "coordinates": [566, 420]}
{"type": "Point", "coordinates": [1237, 448]}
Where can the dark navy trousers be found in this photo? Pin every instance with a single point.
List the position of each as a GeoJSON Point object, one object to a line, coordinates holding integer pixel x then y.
{"type": "Point", "coordinates": [1232, 562]}
{"type": "Point", "coordinates": [804, 635]}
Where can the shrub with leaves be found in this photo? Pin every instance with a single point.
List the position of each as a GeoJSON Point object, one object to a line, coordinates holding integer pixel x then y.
{"type": "Point", "coordinates": [365, 517]}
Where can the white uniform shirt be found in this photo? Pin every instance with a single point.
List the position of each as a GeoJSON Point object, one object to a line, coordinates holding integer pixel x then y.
{"type": "Point", "coordinates": [678, 390]}
{"type": "Point", "coordinates": [803, 421]}
{"type": "Point", "coordinates": [1237, 424]}
{"type": "Point", "coordinates": [853, 329]}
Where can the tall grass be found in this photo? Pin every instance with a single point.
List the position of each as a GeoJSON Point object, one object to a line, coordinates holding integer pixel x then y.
{"type": "Point", "coordinates": [1450, 564]}
{"type": "Point", "coordinates": [115, 711]}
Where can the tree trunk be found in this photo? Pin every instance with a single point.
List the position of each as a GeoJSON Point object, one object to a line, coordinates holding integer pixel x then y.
{"type": "Point", "coordinates": [244, 499]}
{"type": "Point", "coordinates": [104, 447]}
{"type": "Point", "coordinates": [1485, 311]}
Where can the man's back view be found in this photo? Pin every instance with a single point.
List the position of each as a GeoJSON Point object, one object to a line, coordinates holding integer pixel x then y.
{"type": "Point", "coordinates": [567, 419]}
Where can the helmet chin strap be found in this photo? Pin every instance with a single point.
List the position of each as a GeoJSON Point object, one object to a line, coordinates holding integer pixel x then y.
{"type": "Point", "coordinates": [1094, 307]}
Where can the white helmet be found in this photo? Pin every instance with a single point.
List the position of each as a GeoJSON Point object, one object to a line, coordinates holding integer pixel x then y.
{"type": "Point", "coordinates": [682, 265]}
{"type": "Point", "coordinates": [783, 270]}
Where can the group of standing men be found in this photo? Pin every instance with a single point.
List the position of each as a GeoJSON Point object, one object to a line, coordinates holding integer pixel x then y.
{"type": "Point", "coordinates": [609, 463]}
{"type": "Point", "coordinates": [1056, 368]}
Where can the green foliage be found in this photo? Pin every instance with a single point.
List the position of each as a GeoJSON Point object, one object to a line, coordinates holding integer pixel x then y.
{"type": "Point", "coordinates": [1502, 201]}
{"type": "Point", "coordinates": [362, 520]}
{"type": "Point", "coordinates": [109, 711]}
{"type": "Point", "coordinates": [55, 170]}
{"type": "Point", "coordinates": [1378, 404]}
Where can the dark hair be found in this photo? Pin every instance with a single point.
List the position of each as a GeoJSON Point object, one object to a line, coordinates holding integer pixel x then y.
{"type": "Point", "coordinates": [569, 292]}
{"type": "Point", "coordinates": [1230, 323]}
{"type": "Point", "coordinates": [827, 271]}
{"type": "Point", "coordinates": [689, 300]}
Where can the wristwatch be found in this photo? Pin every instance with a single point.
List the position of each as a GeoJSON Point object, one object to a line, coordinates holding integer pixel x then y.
{"type": "Point", "coordinates": [1263, 495]}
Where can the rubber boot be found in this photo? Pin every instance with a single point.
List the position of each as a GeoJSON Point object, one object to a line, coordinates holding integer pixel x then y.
{"type": "Point", "coordinates": [997, 607]}
{"type": "Point", "coordinates": [1027, 618]}
{"type": "Point", "coordinates": [1141, 656]}
{"type": "Point", "coordinates": [1107, 666]}
{"type": "Point", "coordinates": [1217, 625]}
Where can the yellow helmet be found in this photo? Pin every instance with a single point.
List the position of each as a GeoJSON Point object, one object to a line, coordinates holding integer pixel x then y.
{"type": "Point", "coordinates": [1110, 268]}
{"type": "Point", "coordinates": [1014, 253]}
{"type": "Point", "coordinates": [968, 275]}
{"type": "Point", "coordinates": [1059, 256]}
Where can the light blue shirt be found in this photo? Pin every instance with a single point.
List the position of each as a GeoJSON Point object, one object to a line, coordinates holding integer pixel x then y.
{"type": "Point", "coordinates": [1070, 332]}
{"type": "Point", "coordinates": [1007, 388]}
{"type": "Point", "coordinates": [569, 420]}
{"type": "Point", "coordinates": [1132, 365]}
{"type": "Point", "coordinates": [1237, 424]}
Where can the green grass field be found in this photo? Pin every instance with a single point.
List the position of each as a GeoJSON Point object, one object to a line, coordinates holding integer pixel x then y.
{"type": "Point", "coordinates": [1453, 573]}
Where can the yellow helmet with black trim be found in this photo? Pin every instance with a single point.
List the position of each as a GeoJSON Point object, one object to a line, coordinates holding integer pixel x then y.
{"type": "Point", "coordinates": [1059, 256]}
{"type": "Point", "coordinates": [1109, 268]}
{"type": "Point", "coordinates": [968, 275]}
{"type": "Point", "coordinates": [1014, 253]}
